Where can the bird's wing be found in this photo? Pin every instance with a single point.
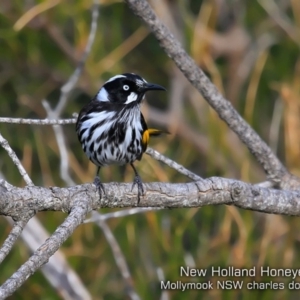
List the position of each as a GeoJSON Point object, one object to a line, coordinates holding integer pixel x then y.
{"type": "Point", "coordinates": [147, 132]}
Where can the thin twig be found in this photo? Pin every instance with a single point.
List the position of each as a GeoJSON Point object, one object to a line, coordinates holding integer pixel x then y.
{"type": "Point", "coordinates": [33, 12]}
{"type": "Point", "coordinates": [62, 147]}
{"type": "Point", "coordinates": [281, 19]}
{"type": "Point", "coordinates": [161, 277]}
{"type": "Point", "coordinates": [4, 143]}
{"type": "Point", "coordinates": [69, 85]}
{"type": "Point", "coordinates": [187, 132]}
{"type": "Point", "coordinates": [118, 255]}
{"type": "Point", "coordinates": [275, 124]}
{"type": "Point", "coordinates": [12, 237]}
{"type": "Point", "coordinates": [38, 121]}
{"type": "Point", "coordinates": [121, 213]}
{"type": "Point", "coordinates": [171, 163]}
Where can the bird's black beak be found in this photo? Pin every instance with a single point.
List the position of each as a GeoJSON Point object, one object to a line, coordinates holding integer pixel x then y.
{"type": "Point", "coordinates": [152, 86]}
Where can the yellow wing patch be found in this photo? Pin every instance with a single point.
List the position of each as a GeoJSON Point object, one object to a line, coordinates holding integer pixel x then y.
{"type": "Point", "coordinates": [146, 136]}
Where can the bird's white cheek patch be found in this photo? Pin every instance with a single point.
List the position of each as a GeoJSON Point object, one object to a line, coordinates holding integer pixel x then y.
{"type": "Point", "coordinates": [132, 97]}
{"type": "Point", "coordinates": [102, 95]}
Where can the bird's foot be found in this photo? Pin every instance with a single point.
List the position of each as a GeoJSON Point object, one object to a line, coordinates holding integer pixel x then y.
{"type": "Point", "coordinates": [138, 181]}
{"type": "Point", "coordinates": [99, 186]}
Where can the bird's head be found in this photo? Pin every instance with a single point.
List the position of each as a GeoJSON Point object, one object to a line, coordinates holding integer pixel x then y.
{"type": "Point", "coordinates": [125, 88]}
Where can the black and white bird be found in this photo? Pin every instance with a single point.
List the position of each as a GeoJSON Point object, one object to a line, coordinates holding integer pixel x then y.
{"type": "Point", "coordinates": [111, 127]}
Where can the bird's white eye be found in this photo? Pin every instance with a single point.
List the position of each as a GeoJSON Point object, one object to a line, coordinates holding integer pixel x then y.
{"type": "Point", "coordinates": [125, 87]}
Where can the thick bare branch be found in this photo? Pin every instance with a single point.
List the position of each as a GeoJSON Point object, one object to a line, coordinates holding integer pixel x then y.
{"type": "Point", "coordinates": [264, 155]}
{"type": "Point", "coordinates": [16, 201]}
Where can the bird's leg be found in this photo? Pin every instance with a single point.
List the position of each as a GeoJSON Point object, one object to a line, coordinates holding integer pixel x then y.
{"type": "Point", "coordinates": [137, 181]}
{"type": "Point", "coordinates": [98, 183]}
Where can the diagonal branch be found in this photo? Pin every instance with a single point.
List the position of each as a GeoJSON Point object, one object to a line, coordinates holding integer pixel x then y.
{"type": "Point", "coordinates": [172, 164]}
{"type": "Point", "coordinates": [273, 167]}
{"type": "Point", "coordinates": [70, 84]}
{"type": "Point", "coordinates": [62, 146]}
{"type": "Point", "coordinates": [279, 17]}
{"type": "Point", "coordinates": [57, 271]}
{"type": "Point", "coordinates": [12, 237]}
{"type": "Point", "coordinates": [118, 255]}
{"type": "Point", "coordinates": [4, 143]}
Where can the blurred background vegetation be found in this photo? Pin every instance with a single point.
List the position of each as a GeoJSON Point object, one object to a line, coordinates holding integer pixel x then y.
{"type": "Point", "coordinates": [250, 50]}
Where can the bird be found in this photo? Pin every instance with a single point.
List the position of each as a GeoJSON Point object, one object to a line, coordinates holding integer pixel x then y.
{"type": "Point", "coordinates": [112, 129]}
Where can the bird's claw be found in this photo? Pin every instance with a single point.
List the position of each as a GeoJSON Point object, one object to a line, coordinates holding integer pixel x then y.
{"type": "Point", "coordinates": [99, 186]}
{"type": "Point", "coordinates": [138, 181]}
